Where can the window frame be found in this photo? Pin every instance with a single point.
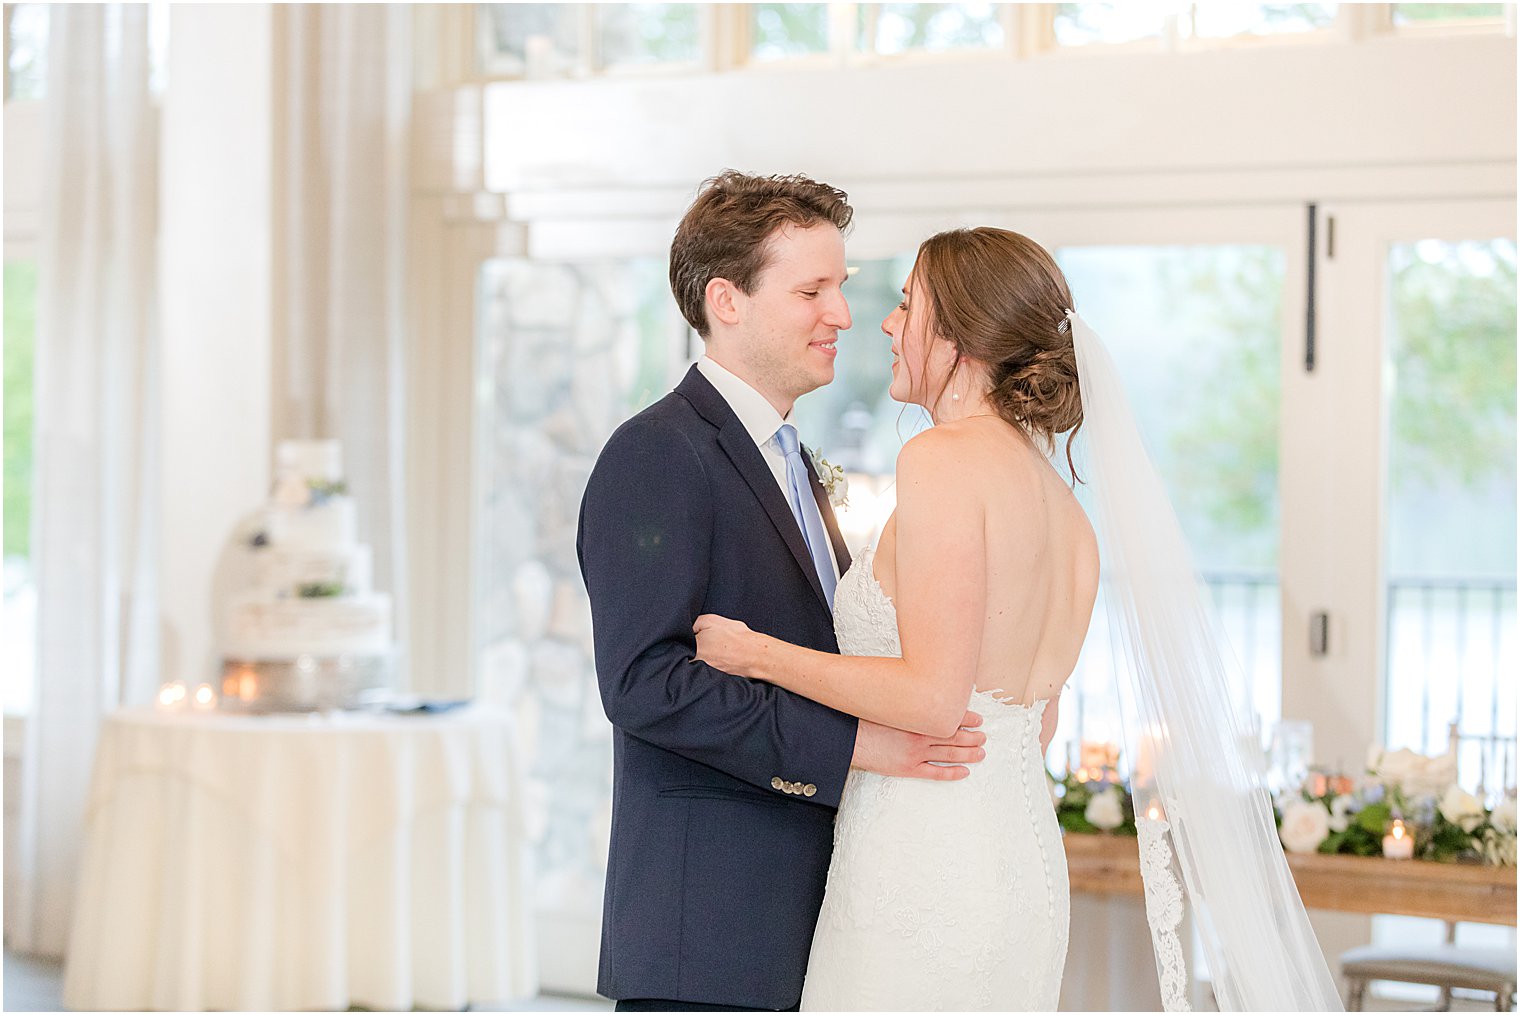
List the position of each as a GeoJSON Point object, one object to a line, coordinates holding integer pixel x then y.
{"type": "Point", "coordinates": [1028, 31]}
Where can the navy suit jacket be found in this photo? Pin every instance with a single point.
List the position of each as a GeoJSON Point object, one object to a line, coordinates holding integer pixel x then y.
{"type": "Point", "coordinates": [724, 789]}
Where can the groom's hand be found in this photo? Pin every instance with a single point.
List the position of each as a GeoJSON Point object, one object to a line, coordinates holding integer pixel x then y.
{"type": "Point", "coordinates": [888, 751]}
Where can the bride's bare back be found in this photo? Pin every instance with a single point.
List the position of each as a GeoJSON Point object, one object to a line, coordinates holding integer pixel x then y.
{"type": "Point", "coordinates": [1041, 573]}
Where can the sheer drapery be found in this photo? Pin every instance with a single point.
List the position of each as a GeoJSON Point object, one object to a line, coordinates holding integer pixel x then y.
{"type": "Point", "coordinates": [344, 89]}
{"type": "Point", "coordinates": [96, 433]}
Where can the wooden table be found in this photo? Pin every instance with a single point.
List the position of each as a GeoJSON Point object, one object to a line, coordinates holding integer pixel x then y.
{"type": "Point", "coordinates": [1110, 865]}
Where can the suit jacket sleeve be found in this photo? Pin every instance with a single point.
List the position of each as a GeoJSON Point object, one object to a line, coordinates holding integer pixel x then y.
{"type": "Point", "coordinates": [646, 529]}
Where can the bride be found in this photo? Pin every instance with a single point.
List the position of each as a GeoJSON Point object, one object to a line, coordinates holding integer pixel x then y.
{"type": "Point", "coordinates": [954, 895]}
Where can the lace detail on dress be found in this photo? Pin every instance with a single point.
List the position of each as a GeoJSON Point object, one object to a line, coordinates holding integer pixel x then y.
{"type": "Point", "coordinates": [942, 896]}
{"type": "Point", "coordinates": [1163, 910]}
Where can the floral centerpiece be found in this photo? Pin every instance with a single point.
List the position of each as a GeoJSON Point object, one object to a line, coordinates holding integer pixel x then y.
{"type": "Point", "coordinates": [1419, 793]}
{"type": "Point", "coordinates": [1335, 815]}
{"type": "Point", "coordinates": [1093, 805]}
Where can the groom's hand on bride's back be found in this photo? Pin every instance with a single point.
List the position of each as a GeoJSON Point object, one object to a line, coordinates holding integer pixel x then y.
{"type": "Point", "coordinates": [888, 751]}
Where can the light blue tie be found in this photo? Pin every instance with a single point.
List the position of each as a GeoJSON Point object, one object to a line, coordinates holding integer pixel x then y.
{"type": "Point", "coordinates": [805, 509]}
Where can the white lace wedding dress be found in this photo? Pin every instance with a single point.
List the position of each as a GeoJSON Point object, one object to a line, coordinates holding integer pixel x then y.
{"type": "Point", "coordinates": [942, 896]}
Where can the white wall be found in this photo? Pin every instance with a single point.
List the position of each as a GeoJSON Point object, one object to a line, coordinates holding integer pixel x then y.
{"type": "Point", "coordinates": [1388, 101]}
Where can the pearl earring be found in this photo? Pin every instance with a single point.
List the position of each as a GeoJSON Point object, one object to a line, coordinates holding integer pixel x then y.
{"type": "Point", "coordinates": [955, 396]}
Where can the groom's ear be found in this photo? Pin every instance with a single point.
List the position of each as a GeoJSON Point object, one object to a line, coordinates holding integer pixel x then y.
{"type": "Point", "coordinates": [724, 300]}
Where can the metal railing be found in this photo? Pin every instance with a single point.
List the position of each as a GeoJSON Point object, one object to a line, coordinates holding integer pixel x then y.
{"type": "Point", "coordinates": [1450, 651]}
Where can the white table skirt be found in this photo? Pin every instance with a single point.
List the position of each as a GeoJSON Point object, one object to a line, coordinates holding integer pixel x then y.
{"type": "Point", "coordinates": [302, 862]}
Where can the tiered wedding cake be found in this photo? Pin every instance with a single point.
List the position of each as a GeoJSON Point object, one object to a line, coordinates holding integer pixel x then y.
{"type": "Point", "coordinates": [310, 633]}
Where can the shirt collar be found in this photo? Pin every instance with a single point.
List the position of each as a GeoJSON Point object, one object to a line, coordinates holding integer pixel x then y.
{"type": "Point", "coordinates": [759, 416]}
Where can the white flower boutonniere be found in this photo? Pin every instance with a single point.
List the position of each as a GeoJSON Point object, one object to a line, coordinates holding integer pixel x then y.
{"type": "Point", "coordinates": [833, 479]}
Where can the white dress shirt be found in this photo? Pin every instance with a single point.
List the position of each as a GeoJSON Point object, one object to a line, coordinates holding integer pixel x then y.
{"type": "Point", "coordinates": [761, 421]}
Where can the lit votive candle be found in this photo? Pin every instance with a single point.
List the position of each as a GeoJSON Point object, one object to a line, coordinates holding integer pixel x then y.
{"type": "Point", "coordinates": [171, 696]}
{"type": "Point", "coordinates": [1398, 844]}
{"type": "Point", "coordinates": [204, 699]}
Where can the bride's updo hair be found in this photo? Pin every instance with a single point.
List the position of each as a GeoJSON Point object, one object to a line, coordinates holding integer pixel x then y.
{"type": "Point", "coordinates": [1001, 300]}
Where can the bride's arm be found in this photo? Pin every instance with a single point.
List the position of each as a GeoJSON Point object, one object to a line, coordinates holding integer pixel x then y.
{"type": "Point", "coordinates": [941, 605]}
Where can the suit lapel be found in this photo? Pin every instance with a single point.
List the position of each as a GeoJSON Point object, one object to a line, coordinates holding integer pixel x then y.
{"type": "Point", "coordinates": [750, 463]}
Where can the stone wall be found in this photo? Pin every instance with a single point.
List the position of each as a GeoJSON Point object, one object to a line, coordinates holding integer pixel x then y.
{"type": "Point", "coordinates": [567, 351]}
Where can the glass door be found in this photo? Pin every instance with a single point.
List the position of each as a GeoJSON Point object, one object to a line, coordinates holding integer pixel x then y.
{"type": "Point", "coordinates": [1423, 506]}
{"type": "Point", "coordinates": [1197, 310]}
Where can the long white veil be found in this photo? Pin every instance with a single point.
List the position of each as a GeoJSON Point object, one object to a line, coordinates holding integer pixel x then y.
{"type": "Point", "coordinates": [1201, 788]}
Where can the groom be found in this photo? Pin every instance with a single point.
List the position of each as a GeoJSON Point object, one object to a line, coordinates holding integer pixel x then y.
{"type": "Point", "coordinates": [724, 789]}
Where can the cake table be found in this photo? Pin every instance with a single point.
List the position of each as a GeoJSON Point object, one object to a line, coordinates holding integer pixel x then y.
{"type": "Point", "coordinates": [289, 862]}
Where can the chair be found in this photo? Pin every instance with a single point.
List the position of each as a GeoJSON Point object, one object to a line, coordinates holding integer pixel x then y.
{"type": "Point", "coordinates": [1447, 966]}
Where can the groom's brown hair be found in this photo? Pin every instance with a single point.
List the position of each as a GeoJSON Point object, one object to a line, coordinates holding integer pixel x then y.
{"type": "Point", "coordinates": [724, 233]}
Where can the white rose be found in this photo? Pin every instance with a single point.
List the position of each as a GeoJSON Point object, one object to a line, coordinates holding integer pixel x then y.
{"type": "Point", "coordinates": [1414, 773]}
{"type": "Point", "coordinates": [1392, 766]}
{"type": "Point", "coordinates": [1105, 809]}
{"type": "Point", "coordinates": [1340, 813]}
{"type": "Point", "coordinates": [1305, 825]}
{"type": "Point", "coordinates": [1462, 808]}
{"type": "Point", "coordinates": [1433, 776]}
{"type": "Point", "coordinates": [1503, 817]}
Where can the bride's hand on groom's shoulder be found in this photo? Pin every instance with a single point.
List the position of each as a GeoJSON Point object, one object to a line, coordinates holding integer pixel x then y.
{"type": "Point", "coordinates": [724, 644]}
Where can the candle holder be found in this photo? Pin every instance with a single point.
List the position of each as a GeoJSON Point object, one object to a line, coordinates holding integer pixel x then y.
{"type": "Point", "coordinates": [1398, 844]}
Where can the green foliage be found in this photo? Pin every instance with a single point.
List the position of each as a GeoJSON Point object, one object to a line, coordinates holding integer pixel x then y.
{"type": "Point", "coordinates": [20, 372]}
{"type": "Point", "coordinates": [320, 590]}
{"type": "Point", "coordinates": [1405, 13]}
{"type": "Point", "coordinates": [1226, 447]}
{"type": "Point", "coordinates": [1374, 818]}
{"type": "Point", "coordinates": [1453, 406]}
{"type": "Point", "coordinates": [1371, 812]}
{"type": "Point", "coordinates": [1073, 796]}
{"type": "Point", "coordinates": [1446, 842]}
{"type": "Point", "coordinates": [789, 29]}
{"type": "Point", "coordinates": [902, 27]}
{"type": "Point", "coordinates": [649, 33]}
{"type": "Point", "coordinates": [1317, 15]}
{"type": "Point", "coordinates": [1354, 841]}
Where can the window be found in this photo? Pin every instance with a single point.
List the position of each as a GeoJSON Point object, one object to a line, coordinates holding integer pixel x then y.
{"type": "Point", "coordinates": [897, 28]}
{"type": "Point", "coordinates": [25, 50]}
{"type": "Point", "coordinates": [1116, 23]}
{"type": "Point", "coordinates": [1406, 15]}
{"type": "Point", "coordinates": [778, 31]}
{"type": "Point", "coordinates": [26, 44]}
{"type": "Point", "coordinates": [1451, 653]}
{"type": "Point", "coordinates": [530, 40]}
{"type": "Point", "coordinates": [1196, 333]}
{"type": "Point", "coordinates": [1109, 23]}
{"type": "Point", "coordinates": [642, 34]}
{"type": "Point", "coordinates": [1213, 20]}
{"type": "Point", "coordinates": [556, 40]}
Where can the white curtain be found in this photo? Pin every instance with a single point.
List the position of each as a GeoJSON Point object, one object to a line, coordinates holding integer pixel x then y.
{"type": "Point", "coordinates": [96, 432]}
{"type": "Point", "coordinates": [340, 257]}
